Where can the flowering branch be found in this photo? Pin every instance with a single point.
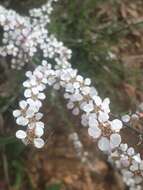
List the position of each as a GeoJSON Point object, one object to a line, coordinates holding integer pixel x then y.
{"type": "Point", "coordinates": [23, 38]}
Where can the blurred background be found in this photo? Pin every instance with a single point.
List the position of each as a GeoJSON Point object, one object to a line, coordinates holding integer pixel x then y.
{"type": "Point", "coordinates": [106, 37]}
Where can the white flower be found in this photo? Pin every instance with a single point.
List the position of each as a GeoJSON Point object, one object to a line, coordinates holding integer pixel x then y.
{"type": "Point", "coordinates": [87, 81]}
{"type": "Point", "coordinates": [16, 113]}
{"type": "Point", "coordinates": [130, 151]}
{"type": "Point", "coordinates": [97, 100]}
{"type": "Point", "coordinates": [93, 92]}
{"type": "Point", "coordinates": [38, 142]}
{"type": "Point", "coordinates": [126, 118]}
{"type": "Point", "coordinates": [123, 147]}
{"type": "Point", "coordinates": [116, 125]}
{"type": "Point", "coordinates": [39, 131]}
{"type": "Point", "coordinates": [134, 167]}
{"type": "Point", "coordinates": [88, 107]}
{"type": "Point", "coordinates": [105, 105]}
{"type": "Point", "coordinates": [94, 132]}
{"type": "Point", "coordinates": [84, 120]}
{"type": "Point", "coordinates": [20, 134]}
{"type": "Point", "coordinates": [36, 104]}
{"type": "Point", "coordinates": [92, 117]}
{"type": "Point", "coordinates": [35, 121]}
{"type": "Point", "coordinates": [70, 105]}
{"type": "Point", "coordinates": [103, 117]}
{"type": "Point", "coordinates": [85, 90]}
{"type": "Point", "coordinates": [20, 115]}
{"type": "Point", "coordinates": [104, 144]}
{"type": "Point", "coordinates": [23, 104]}
{"type": "Point", "coordinates": [22, 121]}
{"type": "Point", "coordinates": [115, 140]}
{"type": "Point", "coordinates": [75, 111]}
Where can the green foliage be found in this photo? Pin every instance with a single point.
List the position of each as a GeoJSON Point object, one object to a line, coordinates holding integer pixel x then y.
{"type": "Point", "coordinates": [7, 140]}
{"type": "Point", "coordinates": [54, 187]}
{"type": "Point", "coordinates": [91, 35]}
{"type": "Point", "coordinates": [18, 169]}
{"type": "Point", "coordinates": [14, 149]}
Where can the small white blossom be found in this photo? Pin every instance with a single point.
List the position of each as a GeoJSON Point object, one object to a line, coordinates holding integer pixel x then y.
{"type": "Point", "coordinates": [116, 125]}
{"type": "Point", "coordinates": [20, 134]}
{"type": "Point", "coordinates": [38, 142]}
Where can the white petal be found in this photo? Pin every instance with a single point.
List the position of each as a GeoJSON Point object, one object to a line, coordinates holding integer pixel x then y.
{"type": "Point", "coordinates": [56, 86]}
{"type": "Point", "coordinates": [34, 104]}
{"type": "Point", "coordinates": [93, 121]}
{"type": "Point", "coordinates": [97, 100]}
{"type": "Point", "coordinates": [87, 81]}
{"type": "Point", "coordinates": [126, 118]}
{"type": "Point", "coordinates": [75, 111]}
{"type": "Point", "coordinates": [85, 90]}
{"type": "Point", "coordinates": [116, 125]}
{"type": "Point", "coordinates": [123, 147]}
{"type": "Point", "coordinates": [115, 140]}
{"type": "Point", "coordinates": [41, 87]}
{"type": "Point", "coordinates": [27, 93]}
{"type": "Point", "coordinates": [141, 165]}
{"type": "Point", "coordinates": [39, 131]}
{"type": "Point", "coordinates": [130, 151]}
{"type": "Point", "coordinates": [38, 142]}
{"type": "Point", "coordinates": [84, 120]}
{"type": "Point", "coordinates": [22, 121]}
{"type": "Point", "coordinates": [103, 117]}
{"type": "Point", "coordinates": [88, 107]}
{"type": "Point", "coordinates": [94, 132]}
{"type": "Point", "coordinates": [21, 134]}
{"type": "Point", "coordinates": [79, 78]}
{"type": "Point", "coordinates": [30, 113]}
{"type": "Point", "coordinates": [23, 104]}
{"type": "Point", "coordinates": [40, 124]}
{"type": "Point", "coordinates": [103, 144]}
{"type": "Point", "coordinates": [41, 96]}
{"type": "Point", "coordinates": [33, 81]}
{"type": "Point", "coordinates": [31, 125]}
{"type": "Point", "coordinates": [26, 84]}
{"type": "Point", "coordinates": [137, 158]}
{"type": "Point", "coordinates": [93, 92]}
{"type": "Point", "coordinates": [76, 85]}
{"type": "Point", "coordinates": [16, 113]}
{"type": "Point", "coordinates": [28, 74]}
{"type": "Point", "coordinates": [105, 105]}
{"type": "Point", "coordinates": [134, 166]}
{"type": "Point", "coordinates": [38, 116]}
{"type": "Point", "coordinates": [125, 161]}
{"type": "Point", "coordinates": [35, 90]}
{"type": "Point", "coordinates": [70, 105]}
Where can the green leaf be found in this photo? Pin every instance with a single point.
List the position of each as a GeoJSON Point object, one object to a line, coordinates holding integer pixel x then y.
{"type": "Point", "coordinates": [19, 147]}
{"type": "Point", "coordinates": [54, 187]}
{"type": "Point", "coordinates": [7, 140]}
{"type": "Point", "coordinates": [18, 168]}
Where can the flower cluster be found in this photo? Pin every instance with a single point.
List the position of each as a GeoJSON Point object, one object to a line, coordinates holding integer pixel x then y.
{"type": "Point", "coordinates": [81, 97]}
{"type": "Point", "coordinates": [24, 38]}
{"type": "Point", "coordinates": [94, 112]}
{"type": "Point", "coordinates": [130, 165]}
{"type": "Point", "coordinates": [42, 15]}
{"type": "Point", "coordinates": [28, 114]}
{"type": "Point", "coordinates": [74, 138]}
